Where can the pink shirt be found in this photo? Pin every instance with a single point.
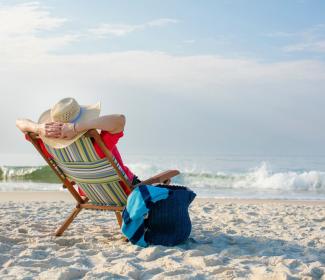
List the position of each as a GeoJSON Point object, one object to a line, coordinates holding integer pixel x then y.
{"type": "Point", "coordinates": [110, 140]}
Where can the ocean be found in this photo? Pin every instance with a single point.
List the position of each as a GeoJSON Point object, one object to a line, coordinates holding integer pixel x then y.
{"type": "Point", "coordinates": [229, 176]}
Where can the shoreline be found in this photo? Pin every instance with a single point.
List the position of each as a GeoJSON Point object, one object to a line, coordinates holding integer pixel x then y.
{"type": "Point", "coordinates": [64, 196]}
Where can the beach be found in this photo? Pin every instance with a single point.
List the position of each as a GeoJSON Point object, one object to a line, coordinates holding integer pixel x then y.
{"type": "Point", "coordinates": [230, 239]}
{"type": "Point", "coordinates": [103, 97]}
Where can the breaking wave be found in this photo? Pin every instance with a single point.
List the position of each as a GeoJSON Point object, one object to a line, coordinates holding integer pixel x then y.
{"type": "Point", "coordinates": [37, 174]}
{"type": "Point", "coordinates": [260, 178]}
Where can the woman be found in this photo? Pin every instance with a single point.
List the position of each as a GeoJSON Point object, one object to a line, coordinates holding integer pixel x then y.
{"type": "Point", "coordinates": [67, 121]}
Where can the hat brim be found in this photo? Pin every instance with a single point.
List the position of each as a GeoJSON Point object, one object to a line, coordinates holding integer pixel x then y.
{"type": "Point", "coordinates": [87, 113]}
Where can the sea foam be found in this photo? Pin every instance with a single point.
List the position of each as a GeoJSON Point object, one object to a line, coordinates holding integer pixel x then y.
{"type": "Point", "coordinates": [260, 179]}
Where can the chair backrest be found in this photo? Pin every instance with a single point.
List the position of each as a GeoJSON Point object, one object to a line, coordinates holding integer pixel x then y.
{"type": "Point", "coordinates": [97, 177]}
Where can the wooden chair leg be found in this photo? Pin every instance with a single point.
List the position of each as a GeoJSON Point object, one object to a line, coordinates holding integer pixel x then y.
{"type": "Point", "coordinates": [119, 218]}
{"type": "Point", "coordinates": [67, 221]}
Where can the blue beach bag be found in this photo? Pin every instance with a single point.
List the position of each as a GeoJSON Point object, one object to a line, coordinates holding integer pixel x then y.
{"type": "Point", "coordinates": [158, 215]}
{"type": "Point", "coordinates": [169, 222]}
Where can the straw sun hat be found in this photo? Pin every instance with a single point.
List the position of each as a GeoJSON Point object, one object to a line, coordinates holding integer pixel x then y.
{"type": "Point", "coordinates": [68, 110]}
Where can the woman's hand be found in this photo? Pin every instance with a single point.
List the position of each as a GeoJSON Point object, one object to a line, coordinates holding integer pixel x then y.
{"type": "Point", "coordinates": [68, 131]}
{"type": "Point", "coordinates": [57, 130]}
{"type": "Point", "coordinates": [51, 129]}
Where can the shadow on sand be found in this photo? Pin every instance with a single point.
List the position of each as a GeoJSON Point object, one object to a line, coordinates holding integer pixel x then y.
{"type": "Point", "coordinates": [236, 246]}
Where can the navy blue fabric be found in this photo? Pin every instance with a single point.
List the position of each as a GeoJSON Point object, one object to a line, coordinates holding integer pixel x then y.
{"type": "Point", "coordinates": [169, 222]}
{"type": "Point", "coordinates": [146, 196]}
{"type": "Point", "coordinates": [138, 234]}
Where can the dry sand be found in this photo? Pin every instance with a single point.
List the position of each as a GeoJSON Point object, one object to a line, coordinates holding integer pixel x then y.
{"type": "Point", "coordinates": [231, 239]}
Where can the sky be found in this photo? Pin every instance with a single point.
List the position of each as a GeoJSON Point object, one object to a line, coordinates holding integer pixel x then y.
{"type": "Point", "coordinates": [192, 77]}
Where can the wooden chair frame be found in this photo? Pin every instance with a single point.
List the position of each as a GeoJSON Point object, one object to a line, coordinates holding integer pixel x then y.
{"type": "Point", "coordinates": [82, 203]}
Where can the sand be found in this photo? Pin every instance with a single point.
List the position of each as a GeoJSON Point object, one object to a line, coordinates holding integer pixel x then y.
{"type": "Point", "coordinates": [231, 239]}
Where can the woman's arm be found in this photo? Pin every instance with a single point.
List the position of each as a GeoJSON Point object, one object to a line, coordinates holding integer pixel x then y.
{"type": "Point", "coordinates": [44, 129]}
{"type": "Point", "coordinates": [26, 125]}
{"type": "Point", "coordinates": [111, 123]}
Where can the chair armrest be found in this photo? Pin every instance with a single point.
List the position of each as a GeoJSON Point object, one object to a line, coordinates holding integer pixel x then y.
{"type": "Point", "coordinates": [159, 178]}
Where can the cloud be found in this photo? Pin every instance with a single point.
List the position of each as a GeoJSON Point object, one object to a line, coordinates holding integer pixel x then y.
{"type": "Point", "coordinates": [26, 19]}
{"type": "Point", "coordinates": [308, 40]}
{"type": "Point", "coordinates": [27, 55]}
{"type": "Point", "coordinates": [21, 28]}
{"type": "Point", "coordinates": [161, 22]}
{"type": "Point", "coordinates": [239, 104]}
{"type": "Point", "coordinates": [235, 102]}
{"type": "Point", "coordinates": [105, 29]}
{"type": "Point", "coordinates": [25, 31]}
{"type": "Point", "coordinates": [313, 46]}
{"type": "Point", "coordinates": [199, 76]}
{"type": "Point", "coordinates": [280, 34]}
{"type": "Point", "coordinates": [114, 29]}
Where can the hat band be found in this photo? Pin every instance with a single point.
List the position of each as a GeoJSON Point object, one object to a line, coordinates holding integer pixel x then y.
{"type": "Point", "coordinates": [77, 117]}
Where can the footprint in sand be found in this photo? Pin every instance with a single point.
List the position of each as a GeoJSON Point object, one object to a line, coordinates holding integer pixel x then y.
{"type": "Point", "coordinates": [68, 242]}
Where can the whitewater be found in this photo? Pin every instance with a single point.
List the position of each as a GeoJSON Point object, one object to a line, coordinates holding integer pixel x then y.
{"type": "Point", "coordinates": [208, 176]}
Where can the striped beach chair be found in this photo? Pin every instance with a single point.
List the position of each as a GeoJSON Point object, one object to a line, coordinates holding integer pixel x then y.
{"type": "Point", "coordinates": [101, 179]}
